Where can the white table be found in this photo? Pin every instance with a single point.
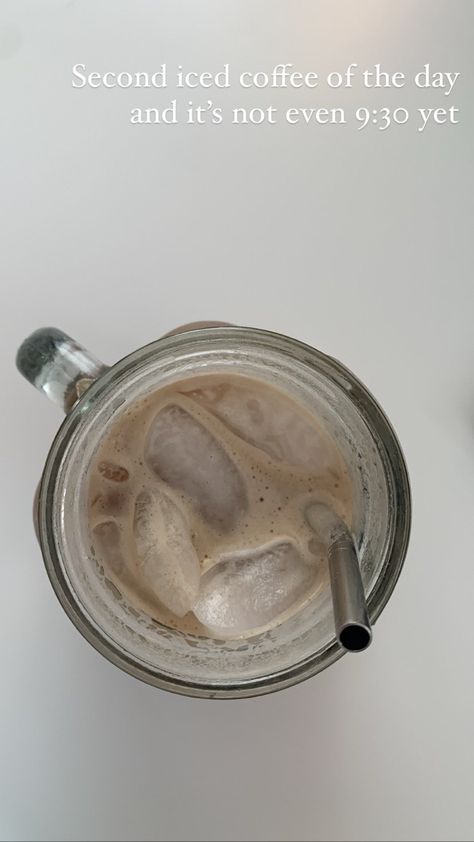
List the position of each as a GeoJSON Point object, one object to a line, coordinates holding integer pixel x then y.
{"type": "Point", "coordinates": [358, 242]}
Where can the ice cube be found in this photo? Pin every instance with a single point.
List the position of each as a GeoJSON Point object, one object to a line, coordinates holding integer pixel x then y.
{"type": "Point", "coordinates": [267, 420]}
{"type": "Point", "coordinates": [245, 592]}
{"type": "Point", "coordinates": [167, 560]}
{"type": "Point", "coordinates": [188, 457]}
{"type": "Point", "coordinates": [107, 539]}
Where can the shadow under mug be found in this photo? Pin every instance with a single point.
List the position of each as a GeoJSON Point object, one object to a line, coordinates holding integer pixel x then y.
{"type": "Point", "coordinates": [94, 395]}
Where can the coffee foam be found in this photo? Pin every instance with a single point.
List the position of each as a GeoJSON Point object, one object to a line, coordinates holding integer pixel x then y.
{"type": "Point", "coordinates": [276, 490]}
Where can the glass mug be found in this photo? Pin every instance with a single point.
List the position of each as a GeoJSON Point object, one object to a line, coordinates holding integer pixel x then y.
{"type": "Point", "coordinates": [93, 395]}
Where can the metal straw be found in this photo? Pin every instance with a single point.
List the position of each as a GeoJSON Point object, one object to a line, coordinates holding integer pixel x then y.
{"type": "Point", "coordinates": [351, 618]}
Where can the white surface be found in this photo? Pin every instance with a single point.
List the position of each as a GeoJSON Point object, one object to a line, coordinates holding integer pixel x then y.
{"type": "Point", "coordinates": [359, 244]}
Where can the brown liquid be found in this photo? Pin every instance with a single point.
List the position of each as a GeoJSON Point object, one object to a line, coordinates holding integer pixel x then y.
{"type": "Point", "coordinates": [282, 458]}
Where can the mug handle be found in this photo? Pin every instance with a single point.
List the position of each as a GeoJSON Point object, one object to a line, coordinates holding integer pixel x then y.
{"type": "Point", "coordinates": [58, 366]}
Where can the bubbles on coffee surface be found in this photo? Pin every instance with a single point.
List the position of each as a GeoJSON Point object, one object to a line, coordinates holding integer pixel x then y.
{"type": "Point", "coordinates": [196, 504]}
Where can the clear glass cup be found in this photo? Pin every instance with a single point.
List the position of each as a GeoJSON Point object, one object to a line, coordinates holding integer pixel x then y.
{"type": "Point", "coordinates": [94, 395]}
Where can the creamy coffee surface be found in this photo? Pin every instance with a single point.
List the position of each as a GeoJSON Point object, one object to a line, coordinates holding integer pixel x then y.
{"type": "Point", "coordinates": [196, 505]}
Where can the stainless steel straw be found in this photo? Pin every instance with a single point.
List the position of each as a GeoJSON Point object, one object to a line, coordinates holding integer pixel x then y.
{"type": "Point", "coordinates": [351, 618]}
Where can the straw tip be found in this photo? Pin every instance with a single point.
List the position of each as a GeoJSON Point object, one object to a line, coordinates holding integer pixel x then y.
{"type": "Point", "coordinates": [355, 637]}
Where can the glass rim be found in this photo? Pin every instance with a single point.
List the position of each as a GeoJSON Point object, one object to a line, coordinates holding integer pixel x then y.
{"type": "Point", "coordinates": [334, 371]}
